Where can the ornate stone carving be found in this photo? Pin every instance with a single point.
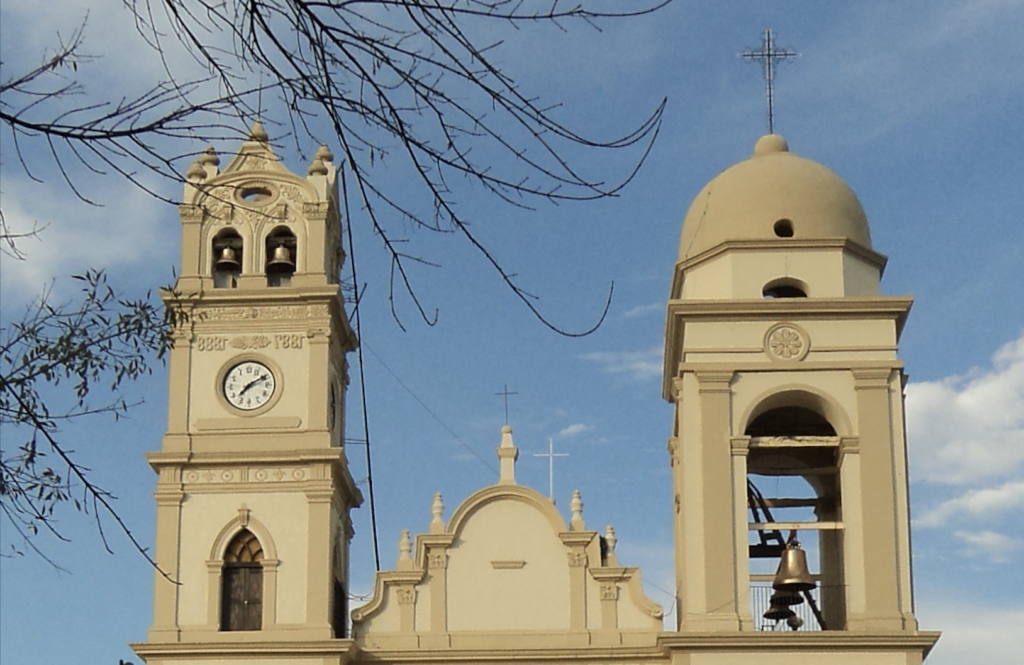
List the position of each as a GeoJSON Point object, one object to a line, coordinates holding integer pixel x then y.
{"type": "Point", "coordinates": [315, 209]}
{"type": "Point", "coordinates": [438, 560]}
{"type": "Point", "coordinates": [577, 559]}
{"type": "Point", "coordinates": [277, 474]}
{"type": "Point", "coordinates": [190, 213]}
{"type": "Point", "coordinates": [250, 342]}
{"type": "Point", "coordinates": [609, 591]}
{"type": "Point", "coordinates": [786, 341]}
{"type": "Point", "coordinates": [406, 596]}
{"type": "Point", "coordinates": [207, 476]}
{"type": "Point", "coordinates": [244, 313]}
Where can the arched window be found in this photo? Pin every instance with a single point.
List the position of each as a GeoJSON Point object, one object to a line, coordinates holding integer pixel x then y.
{"type": "Point", "coordinates": [226, 260]}
{"type": "Point", "coordinates": [242, 584]}
{"type": "Point", "coordinates": [787, 287]}
{"type": "Point", "coordinates": [280, 266]}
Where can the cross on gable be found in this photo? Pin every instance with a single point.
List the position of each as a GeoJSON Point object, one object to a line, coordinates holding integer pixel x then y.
{"type": "Point", "coordinates": [506, 393]}
{"type": "Point", "coordinates": [768, 55]}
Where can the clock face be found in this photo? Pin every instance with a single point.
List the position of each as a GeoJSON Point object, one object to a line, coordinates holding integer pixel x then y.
{"type": "Point", "coordinates": [332, 407]}
{"type": "Point", "coordinates": [249, 385]}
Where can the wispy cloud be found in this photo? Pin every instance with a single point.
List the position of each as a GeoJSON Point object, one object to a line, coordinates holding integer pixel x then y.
{"type": "Point", "coordinates": [638, 365]}
{"type": "Point", "coordinates": [573, 430]}
{"type": "Point", "coordinates": [995, 547]}
{"type": "Point", "coordinates": [643, 310]}
{"type": "Point", "coordinates": [965, 429]}
{"type": "Point", "coordinates": [984, 503]}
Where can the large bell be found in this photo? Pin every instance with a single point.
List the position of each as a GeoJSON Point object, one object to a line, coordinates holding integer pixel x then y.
{"type": "Point", "coordinates": [793, 574]}
{"type": "Point", "coordinates": [281, 261]}
{"type": "Point", "coordinates": [227, 260]}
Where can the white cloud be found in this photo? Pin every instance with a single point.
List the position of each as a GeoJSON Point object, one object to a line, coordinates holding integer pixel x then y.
{"type": "Point", "coordinates": [573, 430]}
{"type": "Point", "coordinates": [133, 229]}
{"type": "Point", "coordinates": [639, 365]}
{"type": "Point", "coordinates": [980, 503]}
{"type": "Point", "coordinates": [643, 310]}
{"type": "Point", "coordinates": [996, 547]}
{"type": "Point", "coordinates": [964, 429]}
{"type": "Point", "coordinates": [972, 633]}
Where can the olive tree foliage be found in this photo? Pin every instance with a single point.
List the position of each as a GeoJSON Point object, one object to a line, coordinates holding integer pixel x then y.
{"type": "Point", "coordinates": [60, 363]}
{"type": "Point", "coordinates": [414, 87]}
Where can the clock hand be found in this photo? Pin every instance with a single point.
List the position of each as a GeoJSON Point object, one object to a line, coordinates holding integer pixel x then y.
{"type": "Point", "coordinates": [253, 383]}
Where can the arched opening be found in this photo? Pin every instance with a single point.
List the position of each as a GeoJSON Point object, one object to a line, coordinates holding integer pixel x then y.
{"type": "Point", "coordinates": [226, 259]}
{"type": "Point", "coordinates": [280, 264]}
{"type": "Point", "coordinates": [790, 421]}
{"type": "Point", "coordinates": [242, 584]}
{"type": "Point", "coordinates": [793, 491]}
{"type": "Point", "coordinates": [786, 287]}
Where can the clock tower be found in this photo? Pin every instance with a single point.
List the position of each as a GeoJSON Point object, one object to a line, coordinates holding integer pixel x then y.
{"type": "Point", "coordinates": [254, 492]}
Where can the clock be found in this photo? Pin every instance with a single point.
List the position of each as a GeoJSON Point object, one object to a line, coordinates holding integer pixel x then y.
{"type": "Point", "coordinates": [249, 385]}
{"type": "Point", "coordinates": [332, 407]}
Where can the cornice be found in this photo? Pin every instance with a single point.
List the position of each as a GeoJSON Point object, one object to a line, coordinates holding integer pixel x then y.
{"type": "Point", "coordinates": [787, 245]}
{"type": "Point", "coordinates": [833, 640]}
{"type": "Point", "coordinates": [894, 308]}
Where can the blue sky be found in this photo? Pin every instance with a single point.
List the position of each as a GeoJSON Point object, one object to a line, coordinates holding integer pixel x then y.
{"type": "Point", "coordinates": [919, 106]}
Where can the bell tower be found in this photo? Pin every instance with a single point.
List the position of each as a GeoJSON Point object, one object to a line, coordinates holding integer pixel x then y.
{"type": "Point", "coordinates": [254, 492]}
{"type": "Point", "coordinates": [781, 361]}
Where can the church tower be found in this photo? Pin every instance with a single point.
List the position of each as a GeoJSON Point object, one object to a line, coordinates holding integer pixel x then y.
{"type": "Point", "coordinates": [788, 436]}
{"type": "Point", "coordinates": [254, 492]}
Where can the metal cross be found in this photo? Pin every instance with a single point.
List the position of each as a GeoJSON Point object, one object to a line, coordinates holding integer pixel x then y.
{"type": "Point", "coordinates": [505, 393]}
{"type": "Point", "coordinates": [768, 54]}
{"type": "Point", "coordinates": [551, 455]}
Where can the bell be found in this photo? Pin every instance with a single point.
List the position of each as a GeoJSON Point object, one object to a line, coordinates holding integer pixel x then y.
{"type": "Point", "coordinates": [778, 613]}
{"type": "Point", "coordinates": [785, 598]}
{"type": "Point", "coordinates": [281, 261]}
{"type": "Point", "coordinates": [227, 260]}
{"type": "Point", "coordinates": [792, 574]}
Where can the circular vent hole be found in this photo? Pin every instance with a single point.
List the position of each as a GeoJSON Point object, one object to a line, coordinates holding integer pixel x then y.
{"type": "Point", "coordinates": [784, 228]}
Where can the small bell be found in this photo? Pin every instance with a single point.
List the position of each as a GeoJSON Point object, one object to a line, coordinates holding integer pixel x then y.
{"type": "Point", "coordinates": [227, 261]}
{"type": "Point", "coordinates": [281, 261]}
{"type": "Point", "coordinates": [778, 613]}
{"type": "Point", "coordinates": [793, 574]}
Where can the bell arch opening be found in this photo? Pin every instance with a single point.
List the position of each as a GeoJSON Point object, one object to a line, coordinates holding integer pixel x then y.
{"type": "Point", "coordinates": [784, 287]}
{"type": "Point", "coordinates": [280, 252]}
{"type": "Point", "coordinates": [793, 494]}
{"type": "Point", "coordinates": [226, 259]}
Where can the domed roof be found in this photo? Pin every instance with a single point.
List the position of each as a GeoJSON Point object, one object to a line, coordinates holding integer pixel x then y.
{"type": "Point", "coordinates": [774, 194]}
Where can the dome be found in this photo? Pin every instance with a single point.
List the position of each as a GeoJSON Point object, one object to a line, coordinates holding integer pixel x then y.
{"type": "Point", "coordinates": [770, 196]}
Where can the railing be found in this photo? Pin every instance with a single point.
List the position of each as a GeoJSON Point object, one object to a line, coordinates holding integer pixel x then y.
{"type": "Point", "coordinates": [760, 597]}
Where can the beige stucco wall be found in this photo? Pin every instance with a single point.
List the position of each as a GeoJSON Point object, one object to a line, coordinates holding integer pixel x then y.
{"type": "Point", "coordinates": [481, 597]}
{"type": "Point", "coordinates": [283, 515]}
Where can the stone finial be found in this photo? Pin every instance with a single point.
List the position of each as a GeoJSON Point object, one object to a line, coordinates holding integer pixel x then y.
{"type": "Point", "coordinates": [437, 510]}
{"type": "Point", "coordinates": [317, 167]}
{"type": "Point", "coordinates": [195, 173]}
{"type": "Point", "coordinates": [324, 154]}
{"type": "Point", "coordinates": [507, 456]}
{"type": "Point", "coordinates": [405, 561]}
{"type": "Point", "coordinates": [611, 559]}
{"type": "Point", "coordinates": [257, 133]}
{"type": "Point", "coordinates": [209, 156]}
{"type": "Point", "coordinates": [576, 507]}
